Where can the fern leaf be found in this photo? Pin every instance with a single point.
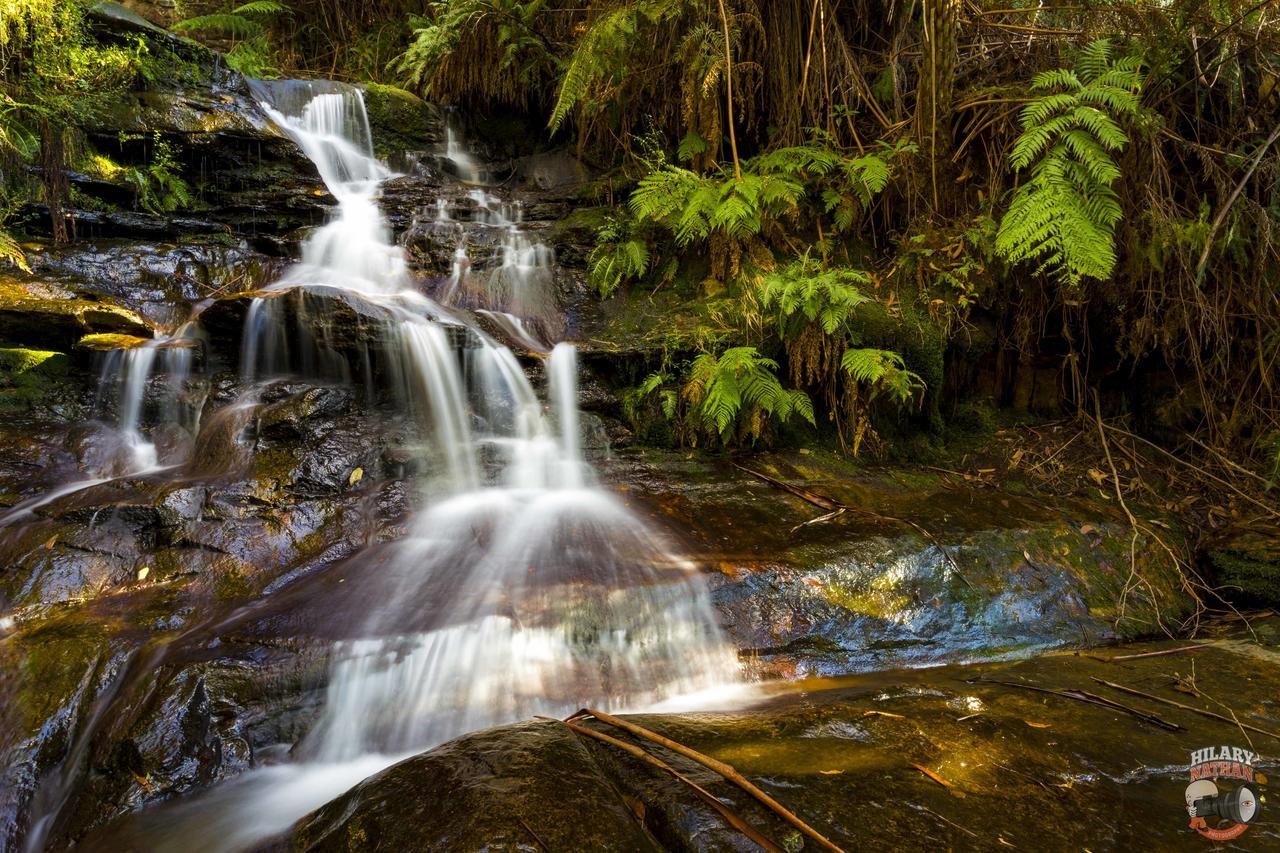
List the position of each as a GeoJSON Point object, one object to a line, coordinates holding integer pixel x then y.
{"type": "Point", "coordinates": [11, 252]}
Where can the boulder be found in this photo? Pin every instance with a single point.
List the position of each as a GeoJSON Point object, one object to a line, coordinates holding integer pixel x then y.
{"type": "Point", "coordinates": [528, 787]}
{"type": "Point", "coordinates": [52, 318]}
{"type": "Point", "coordinates": [401, 121]}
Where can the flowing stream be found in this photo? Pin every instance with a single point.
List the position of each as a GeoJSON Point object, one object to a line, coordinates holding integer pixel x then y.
{"type": "Point", "coordinates": [521, 587]}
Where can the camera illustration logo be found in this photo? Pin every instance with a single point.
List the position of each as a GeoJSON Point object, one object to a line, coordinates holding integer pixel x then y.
{"type": "Point", "coordinates": [1232, 808]}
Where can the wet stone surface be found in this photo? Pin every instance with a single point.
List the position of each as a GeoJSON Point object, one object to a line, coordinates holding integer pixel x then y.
{"type": "Point", "coordinates": [863, 591]}
{"type": "Point", "coordinates": [1017, 769]}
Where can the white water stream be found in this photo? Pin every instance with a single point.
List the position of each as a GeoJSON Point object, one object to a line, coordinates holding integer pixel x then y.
{"type": "Point", "coordinates": [522, 588]}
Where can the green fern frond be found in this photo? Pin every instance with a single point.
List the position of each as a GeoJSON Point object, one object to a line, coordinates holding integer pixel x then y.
{"type": "Point", "coordinates": [828, 296]}
{"type": "Point", "coordinates": [722, 388]}
{"type": "Point", "coordinates": [1064, 217]}
{"type": "Point", "coordinates": [264, 8]}
{"type": "Point", "coordinates": [882, 372]}
{"type": "Point", "coordinates": [236, 26]}
{"type": "Point", "coordinates": [11, 252]}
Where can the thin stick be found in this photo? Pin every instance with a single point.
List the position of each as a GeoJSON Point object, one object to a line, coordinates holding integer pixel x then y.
{"type": "Point", "coordinates": [529, 829]}
{"type": "Point", "coordinates": [728, 93]}
{"type": "Point", "coordinates": [1226, 208]}
{"type": "Point", "coordinates": [718, 766]}
{"type": "Point", "coordinates": [1088, 698]}
{"type": "Point", "coordinates": [1162, 652]}
{"type": "Point", "coordinates": [1191, 708]}
{"type": "Point", "coordinates": [703, 794]}
{"type": "Point", "coordinates": [945, 819]}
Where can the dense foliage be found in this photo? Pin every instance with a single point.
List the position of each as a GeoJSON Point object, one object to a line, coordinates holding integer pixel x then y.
{"type": "Point", "coordinates": [1072, 177]}
{"type": "Point", "coordinates": [888, 209]}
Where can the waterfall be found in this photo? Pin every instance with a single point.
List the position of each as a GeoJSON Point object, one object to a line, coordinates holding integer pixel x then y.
{"type": "Point", "coordinates": [562, 368]}
{"type": "Point", "coordinates": [521, 587]}
{"type": "Point", "coordinates": [463, 163]}
{"type": "Point", "coordinates": [519, 282]}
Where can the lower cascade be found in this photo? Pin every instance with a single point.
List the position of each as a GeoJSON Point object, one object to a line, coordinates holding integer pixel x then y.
{"type": "Point", "coordinates": [520, 588]}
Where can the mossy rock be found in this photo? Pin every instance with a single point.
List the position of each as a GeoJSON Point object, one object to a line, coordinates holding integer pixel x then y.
{"type": "Point", "coordinates": [1252, 577]}
{"type": "Point", "coordinates": [29, 377]}
{"type": "Point", "coordinates": [108, 341]}
{"type": "Point", "coordinates": [492, 790]}
{"type": "Point", "coordinates": [48, 318]}
{"type": "Point", "coordinates": [400, 120]}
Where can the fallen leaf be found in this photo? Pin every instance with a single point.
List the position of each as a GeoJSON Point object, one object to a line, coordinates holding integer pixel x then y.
{"type": "Point", "coordinates": [356, 476]}
{"type": "Point", "coordinates": [830, 772]}
{"type": "Point", "coordinates": [1036, 725]}
{"type": "Point", "coordinates": [144, 781]}
{"type": "Point", "coordinates": [48, 546]}
{"type": "Point", "coordinates": [143, 572]}
{"type": "Point", "coordinates": [1087, 528]}
{"type": "Point", "coordinates": [1097, 476]}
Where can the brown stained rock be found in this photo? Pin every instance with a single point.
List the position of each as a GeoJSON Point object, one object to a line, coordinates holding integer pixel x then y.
{"type": "Point", "coordinates": [533, 786]}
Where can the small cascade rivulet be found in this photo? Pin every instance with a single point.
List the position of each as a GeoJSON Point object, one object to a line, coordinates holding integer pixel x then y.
{"type": "Point", "coordinates": [521, 587]}
{"type": "Point", "coordinates": [130, 447]}
{"type": "Point", "coordinates": [514, 282]}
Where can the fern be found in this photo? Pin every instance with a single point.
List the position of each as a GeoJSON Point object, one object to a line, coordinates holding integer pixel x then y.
{"type": "Point", "coordinates": [619, 255]}
{"type": "Point", "coordinates": [882, 372]}
{"type": "Point", "coordinates": [11, 252]}
{"type": "Point", "coordinates": [601, 57]}
{"type": "Point", "coordinates": [158, 187]}
{"type": "Point", "coordinates": [247, 25]}
{"type": "Point", "coordinates": [1064, 217]}
{"type": "Point", "coordinates": [740, 381]}
{"type": "Point", "coordinates": [826, 296]}
{"type": "Point", "coordinates": [244, 21]}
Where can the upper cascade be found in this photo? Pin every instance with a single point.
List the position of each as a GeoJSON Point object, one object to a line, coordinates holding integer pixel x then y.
{"type": "Point", "coordinates": [354, 250]}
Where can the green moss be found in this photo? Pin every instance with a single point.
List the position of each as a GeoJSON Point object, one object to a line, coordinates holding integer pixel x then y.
{"type": "Point", "coordinates": [400, 120]}
{"type": "Point", "coordinates": [29, 376]}
{"type": "Point", "coordinates": [1253, 578]}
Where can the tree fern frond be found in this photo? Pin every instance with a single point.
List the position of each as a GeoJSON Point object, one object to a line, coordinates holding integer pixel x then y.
{"type": "Point", "coordinates": [1063, 218]}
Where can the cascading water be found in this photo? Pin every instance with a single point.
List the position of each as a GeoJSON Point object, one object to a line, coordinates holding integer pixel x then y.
{"type": "Point", "coordinates": [520, 589]}
{"type": "Point", "coordinates": [518, 283]}
{"type": "Point", "coordinates": [123, 384]}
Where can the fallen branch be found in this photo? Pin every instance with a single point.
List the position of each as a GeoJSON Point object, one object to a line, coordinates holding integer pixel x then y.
{"type": "Point", "coordinates": [1202, 712]}
{"type": "Point", "coordinates": [1088, 698]}
{"type": "Point", "coordinates": [836, 508]}
{"type": "Point", "coordinates": [1178, 650]}
{"type": "Point", "coordinates": [935, 777]}
{"type": "Point", "coordinates": [536, 837]}
{"type": "Point", "coordinates": [718, 766]}
{"type": "Point", "coordinates": [706, 796]}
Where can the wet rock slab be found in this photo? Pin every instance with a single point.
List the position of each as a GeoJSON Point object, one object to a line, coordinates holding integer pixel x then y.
{"type": "Point", "coordinates": [937, 759]}
{"type": "Point", "coordinates": [997, 575]}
